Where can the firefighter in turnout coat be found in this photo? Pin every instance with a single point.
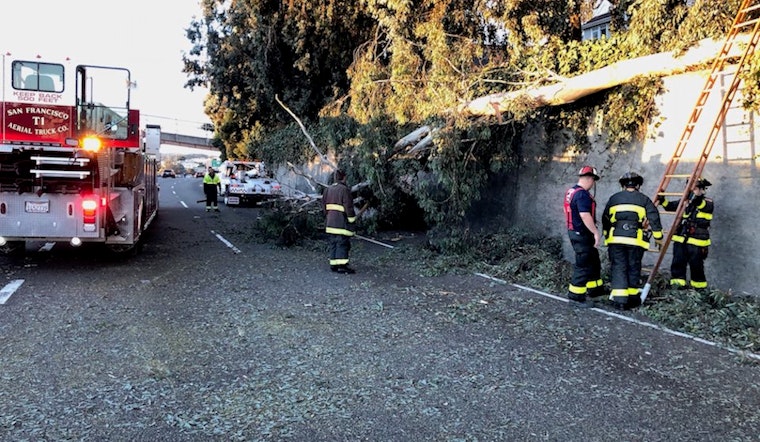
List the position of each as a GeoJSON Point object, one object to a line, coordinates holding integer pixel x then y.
{"type": "Point", "coordinates": [580, 217]}
{"type": "Point", "coordinates": [624, 223]}
{"type": "Point", "coordinates": [339, 219]}
{"type": "Point", "coordinates": [692, 236]}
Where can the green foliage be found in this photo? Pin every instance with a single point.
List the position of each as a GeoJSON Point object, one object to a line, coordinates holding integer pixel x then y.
{"type": "Point", "coordinates": [628, 110]}
{"type": "Point", "coordinates": [714, 315]}
{"type": "Point", "coordinates": [362, 75]}
{"type": "Point", "coordinates": [248, 51]}
{"type": "Point", "coordinates": [290, 225]}
{"type": "Point", "coordinates": [751, 91]}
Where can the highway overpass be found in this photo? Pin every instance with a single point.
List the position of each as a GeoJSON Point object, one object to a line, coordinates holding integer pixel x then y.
{"type": "Point", "coordinates": [186, 141]}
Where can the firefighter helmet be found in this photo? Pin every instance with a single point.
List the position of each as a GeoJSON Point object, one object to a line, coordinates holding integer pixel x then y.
{"type": "Point", "coordinates": [702, 183]}
{"type": "Point", "coordinates": [631, 179]}
{"type": "Point", "coordinates": [340, 175]}
{"type": "Point", "coordinates": [589, 171]}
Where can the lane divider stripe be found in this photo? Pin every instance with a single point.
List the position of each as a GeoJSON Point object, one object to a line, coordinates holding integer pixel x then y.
{"type": "Point", "coordinates": [9, 289]}
{"type": "Point", "coordinates": [227, 243]}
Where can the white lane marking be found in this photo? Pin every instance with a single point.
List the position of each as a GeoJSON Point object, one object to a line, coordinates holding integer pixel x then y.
{"type": "Point", "coordinates": [9, 289]}
{"type": "Point", "coordinates": [633, 320]}
{"type": "Point", "coordinates": [227, 243]}
{"type": "Point", "coordinates": [183, 204]}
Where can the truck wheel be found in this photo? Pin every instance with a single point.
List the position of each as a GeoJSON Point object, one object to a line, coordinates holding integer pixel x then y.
{"type": "Point", "coordinates": [13, 248]}
{"type": "Point", "coordinates": [122, 250]}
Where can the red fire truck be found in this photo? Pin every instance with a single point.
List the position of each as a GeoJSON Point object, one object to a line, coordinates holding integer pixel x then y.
{"type": "Point", "coordinates": [75, 165]}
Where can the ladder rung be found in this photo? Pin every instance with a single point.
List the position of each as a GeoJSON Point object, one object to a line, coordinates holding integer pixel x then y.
{"type": "Point", "coordinates": [679, 175]}
{"type": "Point", "coordinates": [737, 124]}
{"type": "Point", "coordinates": [746, 23]}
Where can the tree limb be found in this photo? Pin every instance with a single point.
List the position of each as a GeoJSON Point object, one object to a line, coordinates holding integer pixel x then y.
{"type": "Point", "coordinates": [322, 158]}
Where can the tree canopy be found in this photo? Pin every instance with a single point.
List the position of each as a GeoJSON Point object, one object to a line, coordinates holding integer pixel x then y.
{"type": "Point", "coordinates": [363, 74]}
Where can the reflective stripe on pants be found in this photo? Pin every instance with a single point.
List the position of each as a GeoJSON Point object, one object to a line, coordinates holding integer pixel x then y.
{"type": "Point", "coordinates": [338, 248]}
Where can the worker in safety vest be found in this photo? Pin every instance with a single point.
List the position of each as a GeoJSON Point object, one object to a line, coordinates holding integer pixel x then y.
{"type": "Point", "coordinates": [211, 185]}
{"type": "Point", "coordinates": [692, 236]}
{"type": "Point", "coordinates": [624, 223]}
{"type": "Point", "coordinates": [339, 219]}
{"type": "Point", "coordinates": [580, 218]}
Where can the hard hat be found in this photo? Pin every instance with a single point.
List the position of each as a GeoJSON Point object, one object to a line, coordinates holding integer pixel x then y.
{"type": "Point", "coordinates": [631, 179]}
{"type": "Point", "coordinates": [589, 171]}
{"type": "Point", "coordinates": [702, 183]}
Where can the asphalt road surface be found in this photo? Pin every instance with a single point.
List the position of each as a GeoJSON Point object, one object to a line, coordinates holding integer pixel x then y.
{"type": "Point", "coordinates": [206, 334]}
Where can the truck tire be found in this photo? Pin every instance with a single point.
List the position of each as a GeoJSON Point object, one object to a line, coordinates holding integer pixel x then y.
{"type": "Point", "coordinates": [13, 248]}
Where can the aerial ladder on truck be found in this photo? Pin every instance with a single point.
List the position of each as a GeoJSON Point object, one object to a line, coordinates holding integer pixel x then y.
{"type": "Point", "coordinates": [747, 20]}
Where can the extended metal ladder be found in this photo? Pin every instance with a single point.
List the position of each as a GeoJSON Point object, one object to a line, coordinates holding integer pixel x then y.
{"type": "Point", "coordinates": [747, 20]}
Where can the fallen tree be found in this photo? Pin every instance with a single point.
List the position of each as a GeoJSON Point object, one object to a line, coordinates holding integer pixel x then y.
{"type": "Point", "coordinates": [571, 89]}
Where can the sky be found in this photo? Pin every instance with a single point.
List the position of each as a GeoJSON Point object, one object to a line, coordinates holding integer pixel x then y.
{"type": "Point", "coordinates": [145, 36]}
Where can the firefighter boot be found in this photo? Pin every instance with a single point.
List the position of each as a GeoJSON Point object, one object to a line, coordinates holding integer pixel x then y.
{"type": "Point", "coordinates": [346, 269]}
{"type": "Point", "coordinates": [579, 301]}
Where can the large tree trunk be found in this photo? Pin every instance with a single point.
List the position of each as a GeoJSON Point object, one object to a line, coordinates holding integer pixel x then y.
{"type": "Point", "coordinates": [571, 89]}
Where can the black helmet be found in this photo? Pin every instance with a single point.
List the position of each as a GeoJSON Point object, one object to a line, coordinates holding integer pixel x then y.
{"type": "Point", "coordinates": [631, 179]}
{"type": "Point", "coordinates": [589, 171]}
{"type": "Point", "coordinates": [702, 183]}
{"type": "Point", "coordinates": [340, 175]}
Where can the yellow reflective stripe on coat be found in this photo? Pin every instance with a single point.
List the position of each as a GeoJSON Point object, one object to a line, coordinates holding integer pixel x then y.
{"type": "Point", "coordinates": [337, 231]}
{"type": "Point", "coordinates": [638, 210]}
{"type": "Point", "coordinates": [698, 242]}
{"type": "Point", "coordinates": [336, 207]}
{"type": "Point", "coordinates": [638, 241]}
{"type": "Point", "coordinates": [703, 215]}
{"type": "Point", "coordinates": [692, 241]}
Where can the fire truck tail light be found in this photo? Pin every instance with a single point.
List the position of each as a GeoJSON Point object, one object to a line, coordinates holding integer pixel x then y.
{"type": "Point", "coordinates": [89, 205]}
{"type": "Point", "coordinates": [89, 214]}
